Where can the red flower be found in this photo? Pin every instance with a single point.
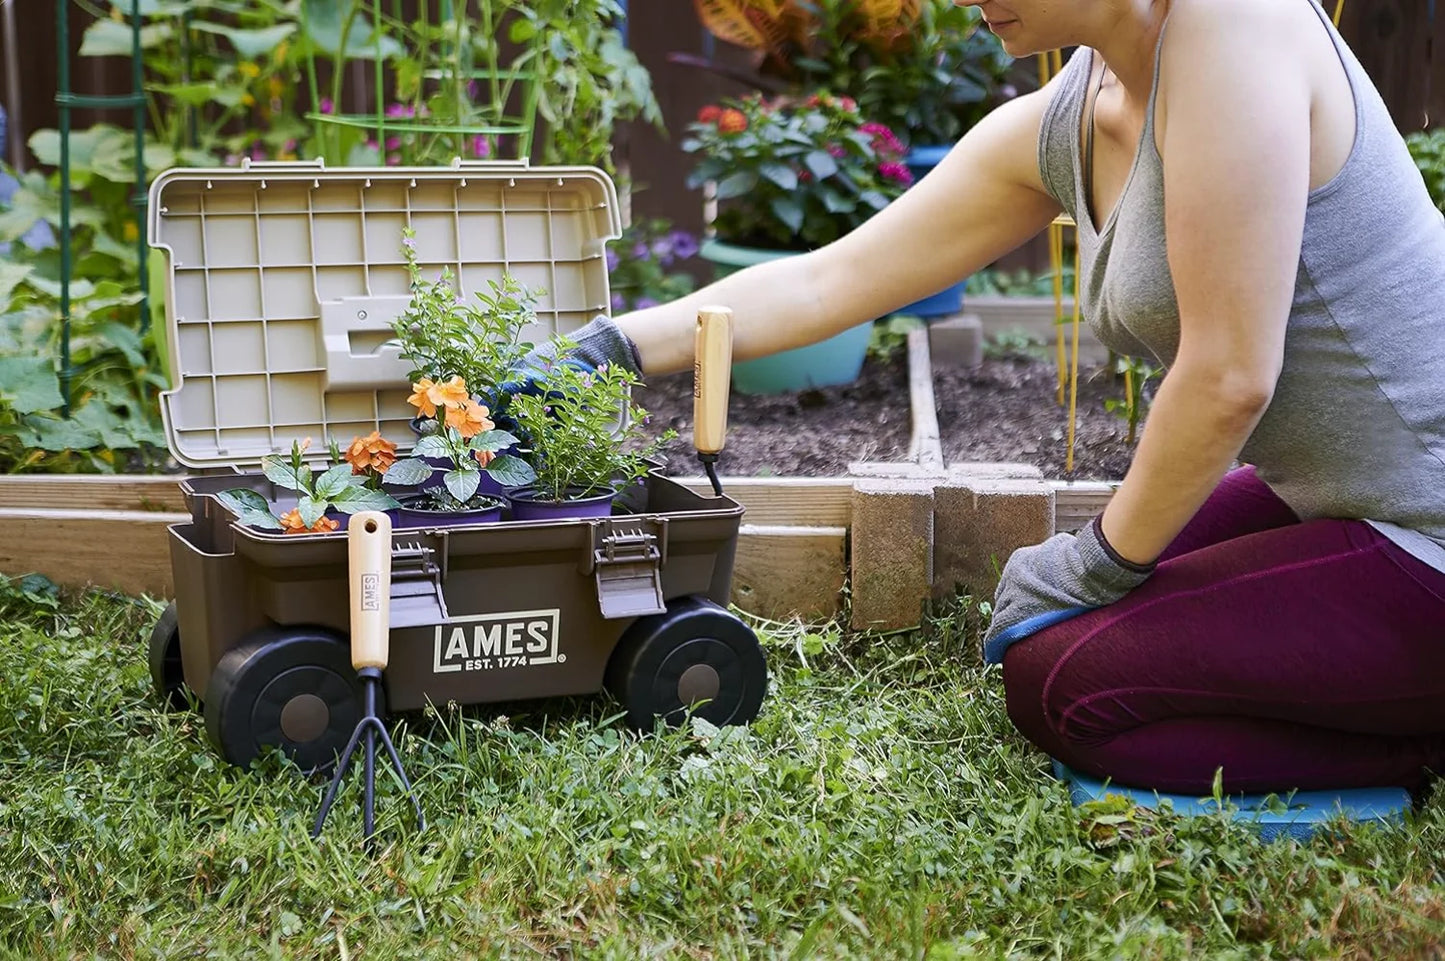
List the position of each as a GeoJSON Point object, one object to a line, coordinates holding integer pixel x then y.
{"type": "Point", "coordinates": [732, 121]}
{"type": "Point", "coordinates": [709, 114]}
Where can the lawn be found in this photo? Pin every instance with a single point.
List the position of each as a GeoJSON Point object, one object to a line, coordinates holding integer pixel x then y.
{"type": "Point", "coordinates": [880, 807]}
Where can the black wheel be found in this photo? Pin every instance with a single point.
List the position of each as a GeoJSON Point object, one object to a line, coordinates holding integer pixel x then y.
{"type": "Point", "coordinates": [694, 657]}
{"type": "Point", "coordinates": [292, 688]}
{"type": "Point", "coordinates": [165, 659]}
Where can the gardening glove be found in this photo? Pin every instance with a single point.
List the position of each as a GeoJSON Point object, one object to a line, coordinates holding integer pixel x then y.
{"type": "Point", "coordinates": [1065, 576]}
{"type": "Point", "coordinates": [599, 341]}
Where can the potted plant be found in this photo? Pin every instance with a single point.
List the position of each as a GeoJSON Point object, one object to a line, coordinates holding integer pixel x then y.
{"type": "Point", "coordinates": [446, 336]}
{"type": "Point", "coordinates": [926, 69]}
{"type": "Point", "coordinates": [792, 175]}
{"type": "Point", "coordinates": [463, 444]}
{"type": "Point", "coordinates": [585, 440]}
{"type": "Point", "coordinates": [341, 489]}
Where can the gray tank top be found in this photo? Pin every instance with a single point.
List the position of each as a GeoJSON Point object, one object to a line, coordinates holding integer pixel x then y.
{"type": "Point", "coordinates": [1356, 428]}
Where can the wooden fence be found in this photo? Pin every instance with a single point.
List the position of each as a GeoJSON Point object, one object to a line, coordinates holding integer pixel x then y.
{"type": "Point", "coordinates": [1400, 42]}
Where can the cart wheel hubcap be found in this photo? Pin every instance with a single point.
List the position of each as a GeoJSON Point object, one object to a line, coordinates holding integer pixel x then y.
{"type": "Point", "coordinates": [698, 683]}
{"type": "Point", "coordinates": [304, 718]}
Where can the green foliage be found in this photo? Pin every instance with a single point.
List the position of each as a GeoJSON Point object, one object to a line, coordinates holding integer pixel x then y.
{"type": "Point", "coordinates": [1022, 282]}
{"type": "Point", "coordinates": [445, 336]}
{"type": "Point", "coordinates": [1135, 373]}
{"type": "Point", "coordinates": [880, 808]}
{"type": "Point", "coordinates": [794, 174]}
{"type": "Point", "coordinates": [890, 336]}
{"type": "Point", "coordinates": [641, 265]}
{"type": "Point", "coordinates": [115, 370]}
{"type": "Point", "coordinates": [588, 78]}
{"type": "Point", "coordinates": [464, 459]}
{"type": "Point", "coordinates": [582, 430]}
{"type": "Point", "coordinates": [1428, 149]}
{"type": "Point", "coordinates": [336, 488]}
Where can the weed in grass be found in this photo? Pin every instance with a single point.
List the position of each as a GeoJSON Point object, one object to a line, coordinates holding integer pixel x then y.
{"type": "Point", "coordinates": [880, 807]}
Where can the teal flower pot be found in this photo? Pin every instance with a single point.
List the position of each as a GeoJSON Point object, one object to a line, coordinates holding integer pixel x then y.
{"type": "Point", "coordinates": [837, 360]}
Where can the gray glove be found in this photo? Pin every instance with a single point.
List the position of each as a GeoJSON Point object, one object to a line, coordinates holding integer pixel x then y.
{"type": "Point", "coordinates": [599, 341]}
{"type": "Point", "coordinates": [1065, 576]}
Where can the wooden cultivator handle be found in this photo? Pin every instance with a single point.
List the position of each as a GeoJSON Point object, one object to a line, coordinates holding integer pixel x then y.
{"type": "Point", "coordinates": [368, 540]}
{"type": "Point", "coordinates": [712, 373]}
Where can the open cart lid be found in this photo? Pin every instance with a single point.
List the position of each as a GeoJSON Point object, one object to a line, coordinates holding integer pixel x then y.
{"type": "Point", "coordinates": [282, 281]}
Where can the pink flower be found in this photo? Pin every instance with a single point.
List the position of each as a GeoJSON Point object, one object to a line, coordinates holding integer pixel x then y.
{"type": "Point", "coordinates": [326, 105]}
{"type": "Point", "coordinates": [393, 143]}
{"type": "Point", "coordinates": [896, 172]}
{"type": "Point", "coordinates": [400, 110]}
{"type": "Point", "coordinates": [837, 151]}
{"type": "Point", "coordinates": [480, 147]}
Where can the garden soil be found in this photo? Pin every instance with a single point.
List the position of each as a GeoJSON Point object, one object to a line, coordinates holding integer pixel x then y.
{"type": "Point", "coordinates": [1003, 410]}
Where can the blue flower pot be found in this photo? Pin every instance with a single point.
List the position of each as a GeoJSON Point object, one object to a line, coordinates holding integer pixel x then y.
{"type": "Point", "coordinates": [837, 360]}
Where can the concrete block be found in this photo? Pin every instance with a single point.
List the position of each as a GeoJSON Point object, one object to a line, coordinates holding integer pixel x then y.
{"type": "Point", "coordinates": [956, 341]}
{"type": "Point", "coordinates": [988, 470]}
{"type": "Point", "coordinates": [892, 552]}
{"type": "Point", "coordinates": [980, 522]}
{"type": "Point", "coordinates": [896, 470]}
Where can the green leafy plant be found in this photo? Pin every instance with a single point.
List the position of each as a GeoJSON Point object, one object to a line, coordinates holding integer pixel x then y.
{"type": "Point", "coordinates": [338, 487]}
{"type": "Point", "coordinates": [794, 174]}
{"type": "Point", "coordinates": [466, 442]}
{"type": "Point", "coordinates": [446, 336]}
{"type": "Point", "coordinates": [924, 67]}
{"type": "Point", "coordinates": [582, 429]}
{"type": "Point", "coordinates": [890, 337]}
{"type": "Point", "coordinates": [1427, 147]}
{"type": "Point", "coordinates": [642, 265]}
{"type": "Point", "coordinates": [588, 79]}
{"type": "Point", "coordinates": [1132, 406]}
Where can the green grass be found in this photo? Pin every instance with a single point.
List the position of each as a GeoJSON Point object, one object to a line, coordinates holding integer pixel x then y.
{"type": "Point", "coordinates": [881, 807]}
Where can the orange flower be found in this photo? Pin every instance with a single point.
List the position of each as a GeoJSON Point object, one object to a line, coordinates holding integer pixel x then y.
{"type": "Point", "coordinates": [732, 121]}
{"type": "Point", "coordinates": [291, 521]}
{"type": "Point", "coordinates": [426, 396]}
{"type": "Point", "coordinates": [484, 457]}
{"type": "Point", "coordinates": [469, 420]}
{"type": "Point", "coordinates": [373, 452]}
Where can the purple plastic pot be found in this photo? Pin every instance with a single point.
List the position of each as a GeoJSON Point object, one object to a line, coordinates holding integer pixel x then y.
{"type": "Point", "coordinates": [580, 502]}
{"type": "Point", "coordinates": [410, 515]}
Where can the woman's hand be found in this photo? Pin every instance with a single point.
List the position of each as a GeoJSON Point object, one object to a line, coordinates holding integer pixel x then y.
{"type": "Point", "coordinates": [1065, 576]}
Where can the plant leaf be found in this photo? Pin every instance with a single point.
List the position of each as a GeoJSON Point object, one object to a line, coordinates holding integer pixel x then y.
{"type": "Point", "coordinates": [10, 277]}
{"type": "Point", "coordinates": [251, 44]}
{"type": "Point", "coordinates": [492, 440]}
{"type": "Point", "coordinates": [789, 211]}
{"type": "Point", "coordinates": [52, 433]}
{"type": "Point", "coordinates": [782, 175]}
{"type": "Point", "coordinates": [821, 163]}
{"type": "Point", "coordinates": [311, 509]}
{"type": "Point", "coordinates": [411, 470]}
{"type": "Point", "coordinates": [111, 38]}
{"type": "Point", "coordinates": [873, 199]}
{"type": "Point", "coordinates": [262, 519]}
{"type": "Point", "coordinates": [334, 481]}
{"type": "Point", "coordinates": [735, 185]}
{"type": "Point", "coordinates": [323, 20]}
{"type": "Point", "coordinates": [355, 499]}
{"type": "Point", "coordinates": [511, 471]}
{"type": "Point", "coordinates": [240, 500]}
{"type": "Point", "coordinates": [278, 471]}
{"type": "Point", "coordinates": [463, 484]}
{"type": "Point", "coordinates": [432, 445]}
{"type": "Point", "coordinates": [29, 384]}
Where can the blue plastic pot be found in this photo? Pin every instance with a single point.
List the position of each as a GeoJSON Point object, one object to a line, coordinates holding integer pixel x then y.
{"type": "Point", "coordinates": [837, 360]}
{"type": "Point", "coordinates": [949, 301]}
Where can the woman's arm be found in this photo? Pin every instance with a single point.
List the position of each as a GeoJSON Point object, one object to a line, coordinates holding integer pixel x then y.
{"type": "Point", "coordinates": [984, 199]}
{"type": "Point", "coordinates": [1235, 105]}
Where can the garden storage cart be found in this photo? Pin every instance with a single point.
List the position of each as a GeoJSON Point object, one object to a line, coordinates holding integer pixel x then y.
{"type": "Point", "coordinates": [281, 284]}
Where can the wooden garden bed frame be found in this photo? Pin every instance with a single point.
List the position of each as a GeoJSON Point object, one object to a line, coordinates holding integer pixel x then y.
{"type": "Point", "coordinates": [793, 555]}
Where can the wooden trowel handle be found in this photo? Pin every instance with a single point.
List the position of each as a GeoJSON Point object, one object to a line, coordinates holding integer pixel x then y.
{"type": "Point", "coordinates": [712, 373]}
{"type": "Point", "coordinates": [368, 549]}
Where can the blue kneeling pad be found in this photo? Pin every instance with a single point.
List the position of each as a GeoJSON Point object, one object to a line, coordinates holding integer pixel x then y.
{"type": "Point", "coordinates": [1298, 815]}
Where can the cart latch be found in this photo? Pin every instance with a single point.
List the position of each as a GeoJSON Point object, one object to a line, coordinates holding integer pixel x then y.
{"type": "Point", "coordinates": [628, 568]}
{"type": "Point", "coordinates": [416, 586]}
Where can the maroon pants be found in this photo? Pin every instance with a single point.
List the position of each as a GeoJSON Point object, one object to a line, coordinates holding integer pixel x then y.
{"type": "Point", "coordinates": [1291, 655]}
